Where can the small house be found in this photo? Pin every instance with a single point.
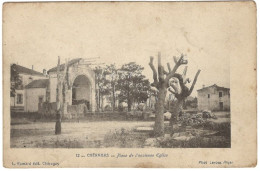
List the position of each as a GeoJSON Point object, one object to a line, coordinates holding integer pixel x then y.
{"type": "Point", "coordinates": [35, 94]}
{"type": "Point", "coordinates": [26, 76]}
{"type": "Point", "coordinates": [214, 98]}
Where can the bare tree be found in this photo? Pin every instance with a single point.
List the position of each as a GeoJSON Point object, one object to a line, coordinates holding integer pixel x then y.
{"type": "Point", "coordinates": [161, 80]}
{"type": "Point", "coordinates": [177, 106]}
{"type": "Point", "coordinates": [62, 81]}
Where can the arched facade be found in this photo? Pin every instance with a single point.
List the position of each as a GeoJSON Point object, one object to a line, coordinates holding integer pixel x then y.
{"type": "Point", "coordinates": [81, 90]}
{"type": "Point", "coordinates": [81, 87]}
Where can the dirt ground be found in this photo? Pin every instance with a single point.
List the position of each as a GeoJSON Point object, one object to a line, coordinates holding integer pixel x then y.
{"type": "Point", "coordinates": [74, 135]}
{"type": "Point", "coordinates": [104, 132]}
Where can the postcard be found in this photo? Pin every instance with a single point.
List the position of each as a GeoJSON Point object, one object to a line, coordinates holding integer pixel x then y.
{"type": "Point", "coordinates": [129, 84]}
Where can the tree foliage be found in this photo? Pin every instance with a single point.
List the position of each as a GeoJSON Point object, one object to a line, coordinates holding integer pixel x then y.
{"type": "Point", "coordinates": [102, 86]}
{"type": "Point", "coordinates": [132, 84]}
{"type": "Point", "coordinates": [16, 81]}
{"type": "Point", "coordinates": [111, 75]}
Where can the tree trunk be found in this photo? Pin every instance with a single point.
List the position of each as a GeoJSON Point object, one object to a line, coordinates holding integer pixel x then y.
{"type": "Point", "coordinates": [99, 97]}
{"type": "Point", "coordinates": [128, 99]}
{"type": "Point", "coordinates": [159, 117]}
{"type": "Point", "coordinates": [58, 101]}
{"type": "Point", "coordinates": [58, 123]}
{"type": "Point", "coordinates": [175, 110]}
{"type": "Point", "coordinates": [129, 105]}
{"type": "Point", "coordinates": [114, 98]}
{"type": "Point", "coordinates": [161, 81]}
{"type": "Point", "coordinates": [102, 103]}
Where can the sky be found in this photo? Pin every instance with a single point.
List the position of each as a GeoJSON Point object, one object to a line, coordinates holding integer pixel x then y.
{"type": "Point", "coordinates": [36, 34]}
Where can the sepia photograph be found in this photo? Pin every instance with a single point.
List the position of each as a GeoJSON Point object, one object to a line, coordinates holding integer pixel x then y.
{"type": "Point", "coordinates": [123, 75]}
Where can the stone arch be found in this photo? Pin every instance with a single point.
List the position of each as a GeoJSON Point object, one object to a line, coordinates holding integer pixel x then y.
{"type": "Point", "coordinates": [86, 90]}
{"type": "Point", "coordinates": [81, 90]}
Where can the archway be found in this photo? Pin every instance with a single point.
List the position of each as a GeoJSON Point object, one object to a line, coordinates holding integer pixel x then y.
{"type": "Point", "coordinates": [81, 91]}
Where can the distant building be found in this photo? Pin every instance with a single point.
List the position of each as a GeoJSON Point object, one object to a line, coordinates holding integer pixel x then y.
{"type": "Point", "coordinates": [214, 98]}
{"type": "Point", "coordinates": [26, 75]}
{"type": "Point", "coordinates": [35, 93]}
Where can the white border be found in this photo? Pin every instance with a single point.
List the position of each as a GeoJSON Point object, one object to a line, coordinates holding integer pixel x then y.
{"type": "Point", "coordinates": [110, 169]}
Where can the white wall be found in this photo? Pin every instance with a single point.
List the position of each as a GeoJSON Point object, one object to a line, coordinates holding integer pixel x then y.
{"type": "Point", "coordinates": [53, 86]}
{"type": "Point", "coordinates": [25, 81]}
{"type": "Point", "coordinates": [26, 78]}
{"type": "Point", "coordinates": [32, 98]}
{"type": "Point", "coordinates": [212, 103]}
{"type": "Point", "coordinates": [14, 99]}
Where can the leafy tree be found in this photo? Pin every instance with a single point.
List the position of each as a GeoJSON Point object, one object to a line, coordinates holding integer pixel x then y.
{"type": "Point", "coordinates": [102, 86]}
{"type": "Point", "coordinates": [132, 85]}
{"type": "Point", "coordinates": [16, 81]}
{"type": "Point", "coordinates": [112, 76]}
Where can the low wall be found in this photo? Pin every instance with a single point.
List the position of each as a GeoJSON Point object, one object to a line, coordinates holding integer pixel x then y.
{"type": "Point", "coordinates": [77, 111]}
{"type": "Point", "coordinates": [47, 109]}
{"type": "Point", "coordinates": [73, 111]}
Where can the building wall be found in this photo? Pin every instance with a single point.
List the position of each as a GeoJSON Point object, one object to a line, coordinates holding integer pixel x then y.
{"type": "Point", "coordinates": [77, 70]}
{"type": "Point", "coordinates": [32, 98]}
{"type": "Point", "coordinates": [14, 99]}
{"type": "Point", "coordinates": [26, 79]}
{"type": "Point", "coordinates": [53, 86]}
{"type": "Point", "coordinates": [74, 72]}
{"type": "Point", "coordinates": [83, 93]}
{"type": "Point", "coordinates": [212, 103]}
{"type": "Point", "coordinates": [226, 100]}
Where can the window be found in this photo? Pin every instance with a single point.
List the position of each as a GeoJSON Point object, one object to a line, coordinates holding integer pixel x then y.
{"type": "Point", "coordinates": [19, 99]}
{"type": "Point", "coordinates": [208, 95]}
{"type": "Point", "coordinates": [220, 94]}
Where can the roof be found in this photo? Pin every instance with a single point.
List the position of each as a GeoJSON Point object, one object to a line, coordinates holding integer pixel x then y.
{"type": "Point", "coordinates": [62, 66]}
{"type": "Point", "coordinates": [42, 83]}
{"type": "Point", "coordinates": [214, 85]}
{"type": "Point", "coordinates": [21, 69]}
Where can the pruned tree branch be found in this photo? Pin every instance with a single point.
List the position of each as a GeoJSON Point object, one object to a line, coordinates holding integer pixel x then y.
{"type": "Point", "coordinates": [160, 68]}
{"type": "Point", "coordinates": [186, 81]}
{"type": "Point", "coordinates": [177, 65]}
{"type": "Point", "coordinates": [184, 73]}
{"type": "Point", "coordinates": [175, 59]}
{"type": "Point", "coordinates": [169, 67]}
{"type": "Point", "coordinates": [155, 79]}
{"type": "Point", "coordinates": [194, 81]}
{"type": "Point", "coordinates": [170, 90]}
{"type": "Point", "coordinates": [165, 72]}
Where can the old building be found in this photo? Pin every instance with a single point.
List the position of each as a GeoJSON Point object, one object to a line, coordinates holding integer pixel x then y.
{"type": "Point", "coordinates": [38, 91]}
{"type": "Point", "coordinates": [214, 98]}
{"type": "Point", "coordinates": [81, 85]}
{"type": "Point", "coordinates": [26, 75]}
{"type": "Point", "coordinates": [35, 94]}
